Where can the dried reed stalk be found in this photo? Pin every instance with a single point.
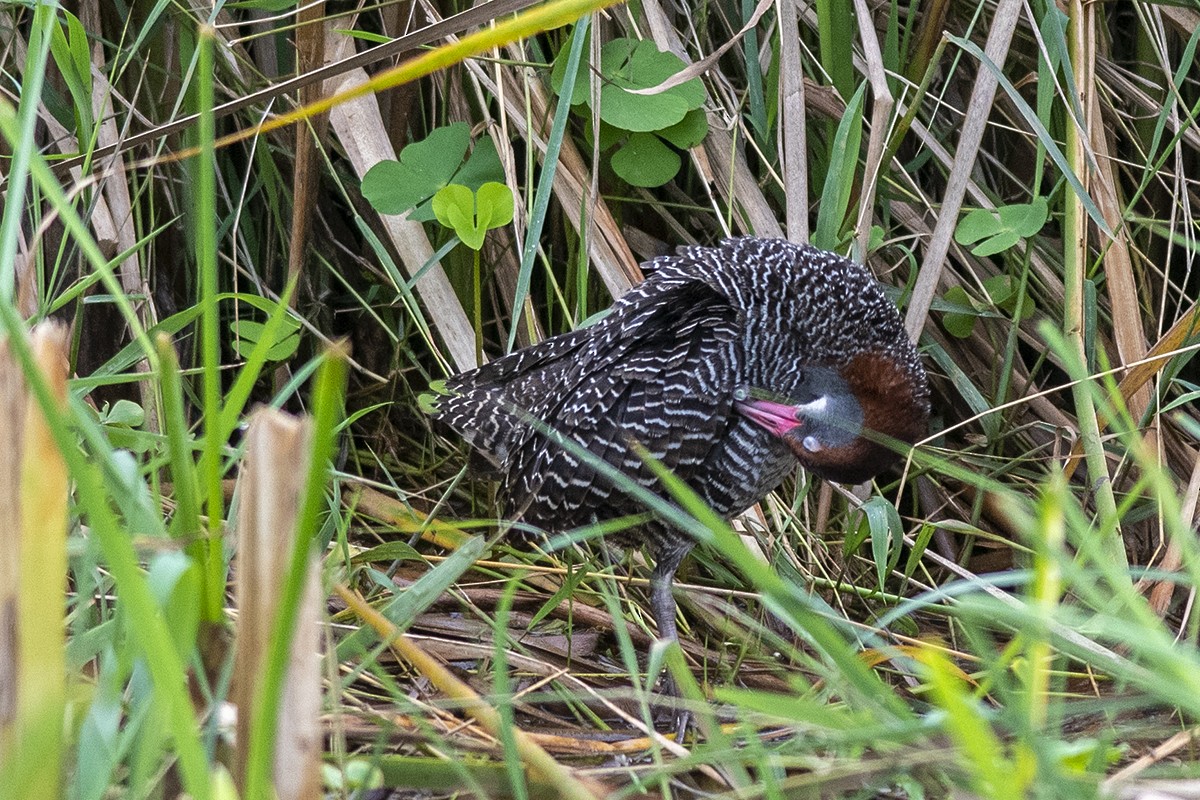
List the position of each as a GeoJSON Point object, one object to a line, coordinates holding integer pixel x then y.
{"type": "Point", "coordinates": [276, 466]}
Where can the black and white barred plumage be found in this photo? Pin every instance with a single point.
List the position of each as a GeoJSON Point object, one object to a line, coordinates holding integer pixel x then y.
{"type": "Point", "coordinates": [670, 366]}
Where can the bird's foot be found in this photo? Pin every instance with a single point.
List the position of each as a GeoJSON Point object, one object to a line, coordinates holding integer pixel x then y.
{"type": "Point", "coordinates": [671, 714]}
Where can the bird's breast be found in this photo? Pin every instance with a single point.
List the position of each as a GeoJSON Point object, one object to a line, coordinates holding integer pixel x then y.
{"type": "Point", "coordinates": [745, 464]}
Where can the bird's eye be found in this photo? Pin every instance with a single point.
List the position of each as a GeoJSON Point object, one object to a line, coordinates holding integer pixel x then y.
{"type": "Point", "coordinates": [811, 444]}
{"type": "Point", "coordinates": [741, 393]}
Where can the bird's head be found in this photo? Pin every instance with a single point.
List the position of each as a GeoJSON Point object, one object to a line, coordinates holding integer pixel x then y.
{"type": "Point", "coordinates": [838, 420]}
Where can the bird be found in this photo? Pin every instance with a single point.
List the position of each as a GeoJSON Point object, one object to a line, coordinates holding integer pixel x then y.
{"type": "Point", "coordinates": [729, 365]}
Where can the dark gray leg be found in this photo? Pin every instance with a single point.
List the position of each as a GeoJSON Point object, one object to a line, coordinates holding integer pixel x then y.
{"type": "Point", "coordinates": [662, 602]}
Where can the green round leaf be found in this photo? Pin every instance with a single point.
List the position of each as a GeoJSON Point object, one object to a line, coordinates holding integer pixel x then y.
{"type": "Point", "coordinates": [1000, 288]}
{"type": "Point", "coordinates": [483, 165]}
{"type": "Point", "coordinates": [629, 64]}
{"type": "Point", "coordinates": [645, 161]}
{"type": "Point", "coordinates": [640, 113]}
{"type": "Point", "coordinates": [959, 325]}
{"type": "Point", "coordinates": [688, 132]}
{"type": "Point", "coordinates": [609, 136]}
{"type": "Point", "coordinates": [957, 298]}
{"type": "Point", "coordinates": [639, 64]}
{"type": "Point", "coordinates": [380, 187]}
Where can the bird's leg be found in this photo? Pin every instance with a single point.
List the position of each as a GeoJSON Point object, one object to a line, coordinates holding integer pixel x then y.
{"type": "Point", "coordinates": [662, 601]}
{"type": "Point", "coordinates": [662, 605]}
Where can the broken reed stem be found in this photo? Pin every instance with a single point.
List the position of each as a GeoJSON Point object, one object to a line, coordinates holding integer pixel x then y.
{"type": "Point", "coordinates": [273, 478]}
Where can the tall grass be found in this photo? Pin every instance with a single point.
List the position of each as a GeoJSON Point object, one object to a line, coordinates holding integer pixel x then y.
{"type": "Point", "coordinates": [1009, 616]}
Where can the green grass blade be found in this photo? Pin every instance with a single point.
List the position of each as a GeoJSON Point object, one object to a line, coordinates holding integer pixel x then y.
{"type": "Point", "coordinates": [839, 179]}
{"type": "Point", "coordinates": [541, 201]}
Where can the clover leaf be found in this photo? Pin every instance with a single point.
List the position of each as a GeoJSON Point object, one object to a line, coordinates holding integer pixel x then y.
{"type": "Point", "coordinates": [247, 334]}
{"type": "Point", "coordinates": [961, 310]}
{"type": "Point", "coordinates": [1004, 291]}
{"type": "Point", "coordinates": [997, 231]}
{"type": "Point", "coordinates": [424, 167]}
{"type": "Point", "coordinates": [960, 323]}
{"type": "Point", "coordinates": [472, 214]}
{"type": "Point", "coordinates": [125, 413]}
